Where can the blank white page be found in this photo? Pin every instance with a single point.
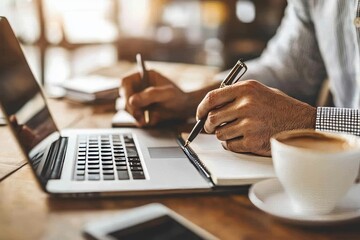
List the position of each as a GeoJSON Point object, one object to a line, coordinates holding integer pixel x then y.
{"type": "Point", "coordinates": [229, 168]}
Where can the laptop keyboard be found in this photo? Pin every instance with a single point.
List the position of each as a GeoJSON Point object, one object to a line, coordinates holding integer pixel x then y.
{"type": "Point", "coordinates": [108, 157]}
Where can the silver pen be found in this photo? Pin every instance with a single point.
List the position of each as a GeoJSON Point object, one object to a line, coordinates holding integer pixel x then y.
{"type": "Point", "coordinates": [145, 81]}
{"type": "Point", "coordinates": [233, 76]}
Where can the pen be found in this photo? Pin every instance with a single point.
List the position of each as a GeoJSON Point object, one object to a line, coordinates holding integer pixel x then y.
{"type": "Point", "coordinates": [238, 70]}
{"type": "Point", "coordinates": [145, 81]}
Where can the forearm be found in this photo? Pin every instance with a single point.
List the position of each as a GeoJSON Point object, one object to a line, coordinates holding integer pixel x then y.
{"type": "Point", "coordinates": [292, 60]}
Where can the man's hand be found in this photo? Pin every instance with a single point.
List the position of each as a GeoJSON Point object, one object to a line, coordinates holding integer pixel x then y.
{"type": "Point", "coordinates": [245, 115]}
{"type": "Point", "coordinates": [163, 99]}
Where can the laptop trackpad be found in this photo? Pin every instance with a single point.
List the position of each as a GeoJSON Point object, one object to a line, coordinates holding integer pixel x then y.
{"type": "Point", "coordinates": [166, 152]}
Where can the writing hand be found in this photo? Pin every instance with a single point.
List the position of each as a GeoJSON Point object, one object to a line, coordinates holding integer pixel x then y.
{"type": "Point", "coordinates": [253, 113]}
{"type": "Point", "coordinates": [163, 99]}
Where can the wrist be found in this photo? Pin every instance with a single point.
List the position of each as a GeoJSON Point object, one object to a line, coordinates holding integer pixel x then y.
{"type": "Point", "coordinates": [311, 121]}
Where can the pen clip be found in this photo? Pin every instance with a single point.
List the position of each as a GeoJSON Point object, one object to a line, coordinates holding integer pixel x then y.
{"type": "Point", "coordinates": [235, 74]}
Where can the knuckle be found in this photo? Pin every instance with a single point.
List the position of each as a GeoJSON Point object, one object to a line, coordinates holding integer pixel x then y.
{"type": "Point", "coordinates": [212, 118]}
{"type": "Point", "coordinates": [220, 135]}
{"type": "Point", "coordinates": [210, 97]}
{"type": "Point", "coordinates": [246, 106]}
{"type": "Point", "coordinates": [251, 85]}
{"type": "Point", "coordinates": [151, 89]}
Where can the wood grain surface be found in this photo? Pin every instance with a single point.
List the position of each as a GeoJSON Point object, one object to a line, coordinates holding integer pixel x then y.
{"type": "Point", "coordinates": [28, 213]}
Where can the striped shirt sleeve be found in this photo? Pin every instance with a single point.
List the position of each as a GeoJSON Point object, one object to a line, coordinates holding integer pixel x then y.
{"type": "Point", "coordinates": [331, 119]}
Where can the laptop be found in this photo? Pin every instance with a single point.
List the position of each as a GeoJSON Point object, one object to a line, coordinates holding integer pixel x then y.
{"type": "Point", "coordinates": [86, 162]}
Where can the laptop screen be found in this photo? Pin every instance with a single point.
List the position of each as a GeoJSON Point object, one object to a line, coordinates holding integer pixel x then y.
{"type": "Point", "coordinates": [20, 94]}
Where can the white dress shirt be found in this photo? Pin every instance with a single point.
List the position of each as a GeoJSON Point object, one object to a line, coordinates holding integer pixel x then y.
{"type": "Point", "coordinates": [317, 39]}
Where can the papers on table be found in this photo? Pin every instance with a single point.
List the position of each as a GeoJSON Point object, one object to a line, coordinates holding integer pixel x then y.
{"type": "Point", "coordinates": [92, 88]}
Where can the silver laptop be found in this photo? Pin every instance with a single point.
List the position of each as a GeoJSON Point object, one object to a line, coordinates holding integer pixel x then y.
{"type": "Point", "coordinates": [72, 162]}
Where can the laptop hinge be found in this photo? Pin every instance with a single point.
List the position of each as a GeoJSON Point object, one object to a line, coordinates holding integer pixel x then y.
{"type": "Point", "coordinates": [55, 159]}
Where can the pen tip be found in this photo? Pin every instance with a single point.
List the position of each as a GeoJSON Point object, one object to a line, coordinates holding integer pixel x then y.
{"type": "Point", "coordinates": [186, 143]}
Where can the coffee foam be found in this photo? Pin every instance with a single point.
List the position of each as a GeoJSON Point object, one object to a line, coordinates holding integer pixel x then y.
{"type": "Point", "coordinates": [316, 141]}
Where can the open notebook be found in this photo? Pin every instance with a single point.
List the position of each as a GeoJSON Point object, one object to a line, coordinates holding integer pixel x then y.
{"type": "Point", "coordinates": [227, 168]}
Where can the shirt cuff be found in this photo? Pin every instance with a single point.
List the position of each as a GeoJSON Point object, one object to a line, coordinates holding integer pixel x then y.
{"type": "Point", "coordinates": [344, 120]}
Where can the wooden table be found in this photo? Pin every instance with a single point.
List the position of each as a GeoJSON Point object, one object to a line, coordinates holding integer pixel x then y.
{"type": "Point", "coordinates": [28, 213]}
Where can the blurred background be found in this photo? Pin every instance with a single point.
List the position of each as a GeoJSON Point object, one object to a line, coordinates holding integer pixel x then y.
{"type": "Point", "coordinates": [65, 38]}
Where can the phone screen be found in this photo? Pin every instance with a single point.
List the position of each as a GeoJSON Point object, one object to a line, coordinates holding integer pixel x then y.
{"type": "Point", "coordinates": [162, 228]}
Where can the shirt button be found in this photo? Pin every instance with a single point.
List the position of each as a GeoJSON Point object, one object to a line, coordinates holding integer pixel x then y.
{"type": "Point", "coordinates": [357, 22]}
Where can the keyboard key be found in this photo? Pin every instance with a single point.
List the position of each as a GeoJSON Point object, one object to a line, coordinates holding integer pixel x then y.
{"type": "Point", "coordinates": [109, 177]}
{"type": "Point", "coordinates": [107, 163]}
{"type": "Point", "coordinates": [93, 167]}
{"type": "Point", "coordinates": [138, 175]}
{"type": "Point", "coordinates": [135, 164]}
{"type": "Point", "coordinates": [105, 151]}
{"type": "Point", "coordinates": [94, 171]}
{"type": "Point", "coordinates": [94, 162]}
{"type": "Point", "coordinates": [120, 159]}
{"type": "Point", "coordinates": [128, 140]}
{"type": "Point", "coordinates": [93, 154]}
{"type": "Point", "coordinates": [123, 175]}
{"type": "Point", "coordinates": [121, 168]}
{"type": "Point", "coordinates": [80, 167]}
{"type": "Point", "coordinates": [79, 177]}
{"type": "Point", "coordinates": [136, 168]}
{"type": "Point", "coordinates": [93, 150]}
{"type": "Point", "coordinates": [108, 172]}
{"type": "Point", "coordinates": [93, 177]}
{"type": "Point", "coordinates": [131, 152]}
{"type": "Point", "coordinates": [80, 172]}
{"type": "Point", "coordinates": [107, 167]}
{"type": "Point", "coordinates": [120, 164]}
{"type": "Point", "coordinates": [119, 154]}
{"type": "Point", "coordinates": [130, 145]}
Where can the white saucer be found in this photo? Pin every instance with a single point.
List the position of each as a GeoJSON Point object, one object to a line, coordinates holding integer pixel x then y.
{"type": "Point", "coordinates": [270, 197]}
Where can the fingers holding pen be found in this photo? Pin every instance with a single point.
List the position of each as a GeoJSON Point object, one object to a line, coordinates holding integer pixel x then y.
{"type": "Point", "coordinates": [150, 96]}
{"type": "Point", "coordinates": [214, 99]}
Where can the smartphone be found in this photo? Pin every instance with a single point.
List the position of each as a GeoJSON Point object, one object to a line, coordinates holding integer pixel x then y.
{"type": "Point", "coordinates": [153, 221]}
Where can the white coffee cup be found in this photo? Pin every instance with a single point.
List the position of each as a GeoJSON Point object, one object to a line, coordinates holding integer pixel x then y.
{"type": "Point", "coordinates": [315, 168]}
